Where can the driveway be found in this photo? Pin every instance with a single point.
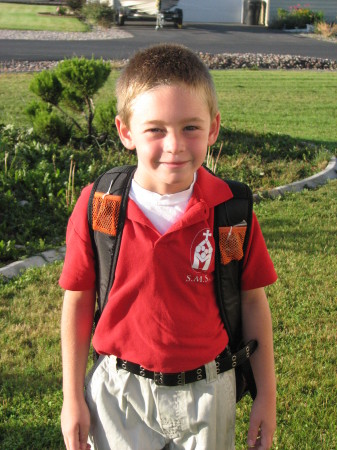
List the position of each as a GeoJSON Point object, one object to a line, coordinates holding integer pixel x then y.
{"type": "Point", "coordinates": [212, 38]}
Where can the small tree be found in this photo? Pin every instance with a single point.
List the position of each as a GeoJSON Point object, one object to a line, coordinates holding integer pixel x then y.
{"type": "Point", "coordinates": [70, 89]}
{"type": "Point", "coordinates": [82, 78]}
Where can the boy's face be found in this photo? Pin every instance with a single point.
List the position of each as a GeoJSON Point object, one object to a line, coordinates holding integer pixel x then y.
{"type": "Point", "coordinates": [170, 128]}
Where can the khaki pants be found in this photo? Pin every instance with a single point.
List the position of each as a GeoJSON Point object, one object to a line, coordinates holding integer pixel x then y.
{"type": "Point", "coordinates": [129, 412]}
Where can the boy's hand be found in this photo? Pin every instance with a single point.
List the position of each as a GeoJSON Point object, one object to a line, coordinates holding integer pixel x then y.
{"type": "Point", "coordinates": [75, 423]}
{"type": "Point", "coordinates": [262, 423]}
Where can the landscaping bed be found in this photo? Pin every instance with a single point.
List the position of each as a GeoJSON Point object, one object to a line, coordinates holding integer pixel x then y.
{"type": "Point", "coordinates": [213, 61]}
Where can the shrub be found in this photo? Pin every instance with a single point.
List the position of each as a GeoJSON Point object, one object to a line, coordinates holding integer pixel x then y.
{"type": "Point", "coordinates": [82, 78]}
{"type": "Point", "coordinates": [75, 5]}
{"type": "Point", "coordinates": [105, 120]}
{"type": "Point", "coordinates": [52, 127]}
{"type": "Point", "coordinates": [69, 89]}
{"type": "Point", "coordinates": [99, 13]}
{"type": "Point", "coordinates": [36, 196]}
{"type": "Point", "coordinates": [47, 125]}
{"type": "Point", "coordinates": [61, 11]}
{"type": "Point", "coordinates": [326, 29]}
{"type": "Point", "coordinates": [296, 17]}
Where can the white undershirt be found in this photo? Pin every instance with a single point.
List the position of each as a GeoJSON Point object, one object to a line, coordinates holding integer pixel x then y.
{"type": "Point", "coordinates": [162, 210]}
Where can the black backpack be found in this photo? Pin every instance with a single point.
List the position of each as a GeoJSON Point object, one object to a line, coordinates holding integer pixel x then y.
{"type": "Point", "coordinates": [106, 215]}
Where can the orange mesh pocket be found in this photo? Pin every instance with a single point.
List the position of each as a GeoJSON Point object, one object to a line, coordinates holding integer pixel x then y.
{"type": "Point", "coordinates": [231, 243]}
{"type": "Point", "coordinates": [105, 212]}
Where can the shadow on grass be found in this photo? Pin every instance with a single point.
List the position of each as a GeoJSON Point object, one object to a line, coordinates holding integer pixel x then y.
{"type": "Point", "coordinates": [286, 234]}
{"type": "Point", "coordinates": [32, 437]}
{"type": "Point", "coordinates": [30, 382]}
{"type": "Point", "coordinates": [30, 408]}
{"type": "Point", "coordinates": [270, 146]}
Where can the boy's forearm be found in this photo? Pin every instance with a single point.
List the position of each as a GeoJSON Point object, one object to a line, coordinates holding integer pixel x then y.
{"type": "Point", "coordinates": [76, 328]}
{"type": "Point", "coordinates": [257, 324]}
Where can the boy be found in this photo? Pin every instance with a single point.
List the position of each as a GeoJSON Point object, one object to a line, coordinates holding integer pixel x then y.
{"type": "Point", "coordinates": [162, 314]}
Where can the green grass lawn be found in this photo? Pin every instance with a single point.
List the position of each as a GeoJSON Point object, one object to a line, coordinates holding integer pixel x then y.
{"type": "Point", "coordinates": [300, 231]}
{"type": "Point", "coordinates": [302, 105]}
{"type": "Point", "coordinates": [37, 18]}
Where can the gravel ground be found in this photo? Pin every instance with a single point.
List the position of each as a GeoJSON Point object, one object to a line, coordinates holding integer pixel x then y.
{"type": "Point", "coordinates": [219, 61]}
{"type": "Point", "coordinates": [97, 35]}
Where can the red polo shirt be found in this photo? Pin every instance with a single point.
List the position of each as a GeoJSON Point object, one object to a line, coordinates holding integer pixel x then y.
{"type": "Point", "coordinates": [162, 310]}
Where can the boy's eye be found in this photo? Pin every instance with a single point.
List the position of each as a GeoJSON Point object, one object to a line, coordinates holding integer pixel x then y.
{"type": "Point", "coordinates": [191, 128]}
{"type": "Point", "coordinates": [154, 130]}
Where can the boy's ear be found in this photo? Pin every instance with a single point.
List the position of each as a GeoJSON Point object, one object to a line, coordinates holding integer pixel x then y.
{"type": "Point", "coordinates": [124, 134]}
{"type": "Point", "coordinates": [214, 129]}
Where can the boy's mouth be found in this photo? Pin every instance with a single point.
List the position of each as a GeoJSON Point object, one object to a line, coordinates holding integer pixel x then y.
{"type": "Point", "coordinates": [174, 163]}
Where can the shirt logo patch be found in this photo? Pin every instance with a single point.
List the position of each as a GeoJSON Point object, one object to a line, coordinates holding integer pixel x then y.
{"type": "Point", "coordinates": [201, 251]}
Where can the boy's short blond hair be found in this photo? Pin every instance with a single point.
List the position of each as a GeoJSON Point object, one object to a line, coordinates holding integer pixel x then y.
{"type": "Point", "coordinates": [163, 64]}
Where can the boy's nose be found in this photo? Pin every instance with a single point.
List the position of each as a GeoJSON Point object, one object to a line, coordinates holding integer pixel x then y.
{"type": "Point", "coordinates": [173, 143]}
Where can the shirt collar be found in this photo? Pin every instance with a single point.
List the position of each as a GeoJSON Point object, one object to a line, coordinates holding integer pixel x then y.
{"type": "Point", "coordinates": [211, 189]}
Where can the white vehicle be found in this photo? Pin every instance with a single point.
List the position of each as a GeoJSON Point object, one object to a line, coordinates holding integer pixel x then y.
{"type": "Point", "coordinates": [161, 10]}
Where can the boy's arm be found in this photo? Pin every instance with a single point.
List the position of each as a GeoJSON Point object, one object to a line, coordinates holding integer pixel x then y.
{"type": "Point", "coordinates": [257, 324]}
{"type": "Point", "coordinates": [76, 327]}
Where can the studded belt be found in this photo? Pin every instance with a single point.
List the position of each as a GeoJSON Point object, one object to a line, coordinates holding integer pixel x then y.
{"type": "Point", "coordinates": [223, 362]}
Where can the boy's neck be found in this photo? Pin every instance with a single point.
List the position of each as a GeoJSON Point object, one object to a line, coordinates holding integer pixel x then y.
{"type": "Point", "coordinates": [162, 194]}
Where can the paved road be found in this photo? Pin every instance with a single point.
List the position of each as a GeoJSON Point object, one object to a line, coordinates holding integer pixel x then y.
{"type": "Point", "coordinates": [213, 38]}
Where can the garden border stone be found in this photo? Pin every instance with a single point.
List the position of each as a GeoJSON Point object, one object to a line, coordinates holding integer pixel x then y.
{"type": "Point", "coordinates": [320, 178]}
{"type": "Point", "coordinates": [49, 256]}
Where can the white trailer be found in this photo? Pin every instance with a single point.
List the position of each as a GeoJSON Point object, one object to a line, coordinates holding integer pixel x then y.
{"type": "Point", "coordinates": [161, 10]}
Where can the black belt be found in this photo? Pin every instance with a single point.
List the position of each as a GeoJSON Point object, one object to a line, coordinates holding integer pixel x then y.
{"type": "Point", "coordinates": [223, 362]}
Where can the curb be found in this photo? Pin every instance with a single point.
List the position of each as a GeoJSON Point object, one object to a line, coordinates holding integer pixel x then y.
{"type": "Point", "coordinates": [329, 173]}
{"type": "Point", "coordinates": [320, 178]}
{"type": "Point", "coordinates": [16, 268]}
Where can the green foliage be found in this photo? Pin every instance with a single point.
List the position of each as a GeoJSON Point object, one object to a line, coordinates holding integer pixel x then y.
{"type": "Point", "coordinates": [47, 124]}
{"type": "Point", "coordinates": [36, 196]}
{"type": "Point", "coordinates": [99, 13]}
{"type": "Point", "coordinates": [61, 11]}
{"type": "Point", "coordinates": [69, 88]}
{"type": "Point", "coordinates": [75, 5]}
{"type": "Point", "coordinates": [84, 76]}
{"type": "Point", "coordinates": [297, 17]}
{"type": "Point", "coordinates": [104, 120]}
{"type": "Point", "coordinates": [47, 86]}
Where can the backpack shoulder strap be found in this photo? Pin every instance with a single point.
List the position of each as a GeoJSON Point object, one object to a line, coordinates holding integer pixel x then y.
{"type": "Point", "coordinates": [106, 216]}
{"type": "Point", "coordinates": [236, 211]}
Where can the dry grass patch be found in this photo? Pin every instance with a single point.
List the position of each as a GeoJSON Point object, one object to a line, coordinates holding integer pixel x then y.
{"type": "Point", "coordinates": [326, 29]}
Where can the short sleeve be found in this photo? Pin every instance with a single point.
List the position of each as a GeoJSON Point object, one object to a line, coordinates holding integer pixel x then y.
{"type": "Point", "coordinates": [258, 268]}
{"type": "Point", "coordinates": [78, 272]}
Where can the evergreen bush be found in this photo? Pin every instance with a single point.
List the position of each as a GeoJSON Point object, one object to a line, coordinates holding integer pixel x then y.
{"type": "Point", "coordinates": [105, 120]}
{"type": "Point", "coordinates": [67, 93]}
